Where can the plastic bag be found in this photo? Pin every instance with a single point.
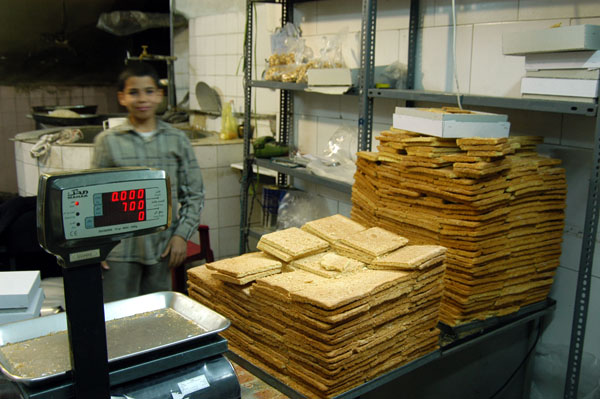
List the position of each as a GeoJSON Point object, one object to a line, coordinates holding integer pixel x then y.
{"type": "Point", "coordinates": [123, 23]}
{"type": "Point", "coordinates": [550, 368]}
{"type": "Point", "coordinates": [396, 74]}
{"type": "Point", "coordinates": [338, 161]}
{"type": "Point", "coordinates": [298, 207]}
{"type": "Point", "coordinates": [331, 53]}
{"type": "Point", "coordinates": [228, 123]}
{"type": "Point", "coordinates": [289, 55]}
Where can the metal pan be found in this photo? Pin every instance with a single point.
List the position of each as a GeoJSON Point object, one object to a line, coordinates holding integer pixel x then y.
{"type": "Point", "coordinates": [80, 109]}
{"type": "Point", "coordinates": [127, 313]}
{"type": "Point", "coordinates": [84, 119]}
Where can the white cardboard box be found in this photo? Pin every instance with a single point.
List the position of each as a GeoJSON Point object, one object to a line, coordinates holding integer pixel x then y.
{"type": "Point", "coordinates": [17, 289]}
{"type": "Point", "coordinates": [477, 124]}
{"type": "Point", "coordinates": [29, 312]}
{"type": "Point", "coordinates": [560, 87]}
{"type": "Point", "coordinates": [563, 60]}
{"type": "Point", "coordinates": [329, 80]}
{"type": "Point", "coordinates": [566, 38]}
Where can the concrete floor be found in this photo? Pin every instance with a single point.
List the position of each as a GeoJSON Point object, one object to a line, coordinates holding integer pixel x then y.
{"type": "Point", "coordinates": [254, 388]}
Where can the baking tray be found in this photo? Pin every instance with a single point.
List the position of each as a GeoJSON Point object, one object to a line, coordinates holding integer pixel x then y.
{"type": "Point", "coordinates": [208, 321]}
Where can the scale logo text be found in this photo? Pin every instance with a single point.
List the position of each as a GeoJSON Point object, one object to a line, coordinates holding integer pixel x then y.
{"type": "Point", "coordinates": [77, 193]}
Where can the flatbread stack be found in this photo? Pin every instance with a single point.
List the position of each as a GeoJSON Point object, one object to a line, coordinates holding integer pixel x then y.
{"type": "Point", "coordinates": [368, 244]}
{"type": "Point", "coordinates": [245, 268]}
{"type": "Point", "coordinates": [328, 264]}
{"type": "Point", "coordinates": [333, 228]}
{"type": "Point", "coordinates": [291, 243]}
{"type": "Point", "coordinates": [498, 208]}
{"type": "Point", "coordinates": [261, 337]}
{"type": "Point", "coordinates": [333, 323]}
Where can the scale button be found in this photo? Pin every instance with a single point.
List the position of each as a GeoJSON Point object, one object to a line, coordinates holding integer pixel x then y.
{"type": "Point", "coordinates": [97, 210]}
{"type": "Point", "coordinates": [89, 222]}
{"type": "Point", "coordinates": [97, 199]}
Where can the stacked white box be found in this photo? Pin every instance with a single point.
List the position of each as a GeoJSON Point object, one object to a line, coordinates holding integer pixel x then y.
{"type": "Point", "coordinates": [21, 295]}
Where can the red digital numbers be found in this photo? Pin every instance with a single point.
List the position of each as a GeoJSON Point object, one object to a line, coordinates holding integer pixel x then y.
{"type": "Point", "coordinates": [131, 201]}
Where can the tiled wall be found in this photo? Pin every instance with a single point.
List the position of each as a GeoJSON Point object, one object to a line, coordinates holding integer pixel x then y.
{"type": "Point", "coordinates": [222, 196]}
{"type": "Point", "coordinates": [16, 103]}
{"type": "Point", "coordinates": [481, 69]}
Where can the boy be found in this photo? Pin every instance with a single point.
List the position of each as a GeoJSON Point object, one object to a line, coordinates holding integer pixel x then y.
{"type": "Point", "coordinates": [141, 265]}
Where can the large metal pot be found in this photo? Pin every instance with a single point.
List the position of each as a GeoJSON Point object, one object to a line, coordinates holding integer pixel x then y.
{"type": "Point", "coordinates": [80, 109]}
{"type": "Point", "coordinates": [87, 116]}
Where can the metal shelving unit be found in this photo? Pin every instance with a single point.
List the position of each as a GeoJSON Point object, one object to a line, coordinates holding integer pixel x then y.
{"type": "Point", "coordinates": [367, 93]}
{"type": "Point", "coordinates": [365, 111]}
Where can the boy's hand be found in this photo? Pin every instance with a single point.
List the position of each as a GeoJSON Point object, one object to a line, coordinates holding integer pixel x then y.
{"type": "Point", "coordinates": [177, 247]}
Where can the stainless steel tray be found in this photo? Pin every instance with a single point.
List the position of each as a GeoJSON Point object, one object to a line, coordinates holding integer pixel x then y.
{"type": "Point", "coordinates": [206, 319]}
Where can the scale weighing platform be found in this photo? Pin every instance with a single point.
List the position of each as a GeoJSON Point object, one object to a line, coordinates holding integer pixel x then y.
{"type": "Point", "coordinates": [160, 345]}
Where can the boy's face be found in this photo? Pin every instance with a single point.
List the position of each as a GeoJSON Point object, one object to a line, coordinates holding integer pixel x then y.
{"type": "Point", "coordinates": [141, 97]}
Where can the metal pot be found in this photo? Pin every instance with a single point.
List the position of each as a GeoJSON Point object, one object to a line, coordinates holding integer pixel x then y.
{"type": "Point", "coordinates": [50, 121]}
{"type": "Point", "coordinates": [80, 109]}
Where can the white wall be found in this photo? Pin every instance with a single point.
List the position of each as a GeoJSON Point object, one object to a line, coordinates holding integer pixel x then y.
{"type": "Point", "coordinates": [216, 45]}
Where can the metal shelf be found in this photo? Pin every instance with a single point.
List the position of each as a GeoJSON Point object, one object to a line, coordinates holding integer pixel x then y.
{"type": "Point", "coordinates": [302, 173]}
{"type": "Point", "coordinates": [269, 84]}
{"type": "Point", "coordinates": [565, 107]}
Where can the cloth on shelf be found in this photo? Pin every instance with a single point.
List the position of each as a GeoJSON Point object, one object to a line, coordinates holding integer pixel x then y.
{"type": "Point", "coordinates": [44, 143]}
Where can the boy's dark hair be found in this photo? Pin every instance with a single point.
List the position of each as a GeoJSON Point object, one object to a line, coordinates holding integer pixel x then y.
{"type": "Point", "coordinates": [137, 69]}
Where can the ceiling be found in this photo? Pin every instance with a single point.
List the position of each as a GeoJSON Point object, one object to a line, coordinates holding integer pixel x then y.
{"type": "Point", "coordinates": [57, 42]}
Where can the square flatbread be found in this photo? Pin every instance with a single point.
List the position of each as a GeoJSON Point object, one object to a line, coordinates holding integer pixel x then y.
{"type": "Point", "coordinates": [375, 241]}
{"type": "Point", "coordinates": [410, 256]}
{"type": "Point", "coordinates": [330, 264]}
{"type": "Point", "coordinates": [246, 279]}
{"type": "Point", "coordinates": [333, 228]}
{"type": "Point", "coordinates": [245, 265]}
{"type": "Point", "coordinates": [294, 242]}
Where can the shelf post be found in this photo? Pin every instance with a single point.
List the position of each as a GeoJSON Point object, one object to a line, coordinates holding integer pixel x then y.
{"type": "Point", "coordinates": [247, 166]}
{"type": "Point", "coordinates": [365, 77]}
{"type": "Point", "coordinates": [584, 278]}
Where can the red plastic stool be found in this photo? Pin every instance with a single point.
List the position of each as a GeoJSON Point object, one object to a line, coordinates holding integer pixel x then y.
{"type": "Point", "coordinates": [195, 252]}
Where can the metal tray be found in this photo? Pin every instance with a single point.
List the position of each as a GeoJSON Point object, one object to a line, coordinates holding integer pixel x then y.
{"type": "Point", "coordinates": [205, 318]}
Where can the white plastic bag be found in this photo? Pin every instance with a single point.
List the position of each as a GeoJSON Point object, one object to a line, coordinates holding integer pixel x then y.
{"type": "Point", "coordinates": [298, 207]}
{"type": "Point", "coordinates": [550, 369]}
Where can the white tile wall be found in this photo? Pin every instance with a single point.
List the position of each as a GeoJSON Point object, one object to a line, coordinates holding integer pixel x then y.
{"type": "Point", "coordinates": [333, 19]}
{"type": "Point", "coordinates": [229, 241]}
{"type": "Point", "coordinates": [206, 156]}
{"type": "Point", "coordinates": [493, 73]}
{"type": "Point", "coordinates": [306, 126]}
{"type": "Point", "coordinates": [434, 69]}
{"type": "Point", "coordinates": [230, 153]}
{"type": "Point", "coordinates": [229, 182]}
{"type": "Point", "coordinates": [211, 183]}
{"type": "Point", "coordinates": [476, 12]}
{"type": "Point", "coordinates": [210, 214]}
{"type": "Point", "coordinates": [229, 211]}
{"type": "Point", "coordinates": [540, 9]}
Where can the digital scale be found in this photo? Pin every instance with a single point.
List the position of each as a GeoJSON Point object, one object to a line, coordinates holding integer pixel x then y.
{"type": "Point", "coordinates": [81, 217]}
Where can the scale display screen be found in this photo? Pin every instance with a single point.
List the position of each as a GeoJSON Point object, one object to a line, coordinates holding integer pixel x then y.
{"type": "Point", "coordinates": [125, 206]}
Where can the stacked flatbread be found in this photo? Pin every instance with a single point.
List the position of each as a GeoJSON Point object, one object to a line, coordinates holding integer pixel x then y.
{"type": "Point", "coordinates": [334, 323]}
{"type": "Point", "coordinates": [328, 264]}
{"type": "Point", "coordinates": [290, 244]}
{"type": "Point", "coordinates": [495, 204]}
{"type": "Point", "coordinates": [368, 244]}
{"type": "Point", "coordinates": [245, 268]}
{"type": "Point", "coordinates": [333, 228]}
